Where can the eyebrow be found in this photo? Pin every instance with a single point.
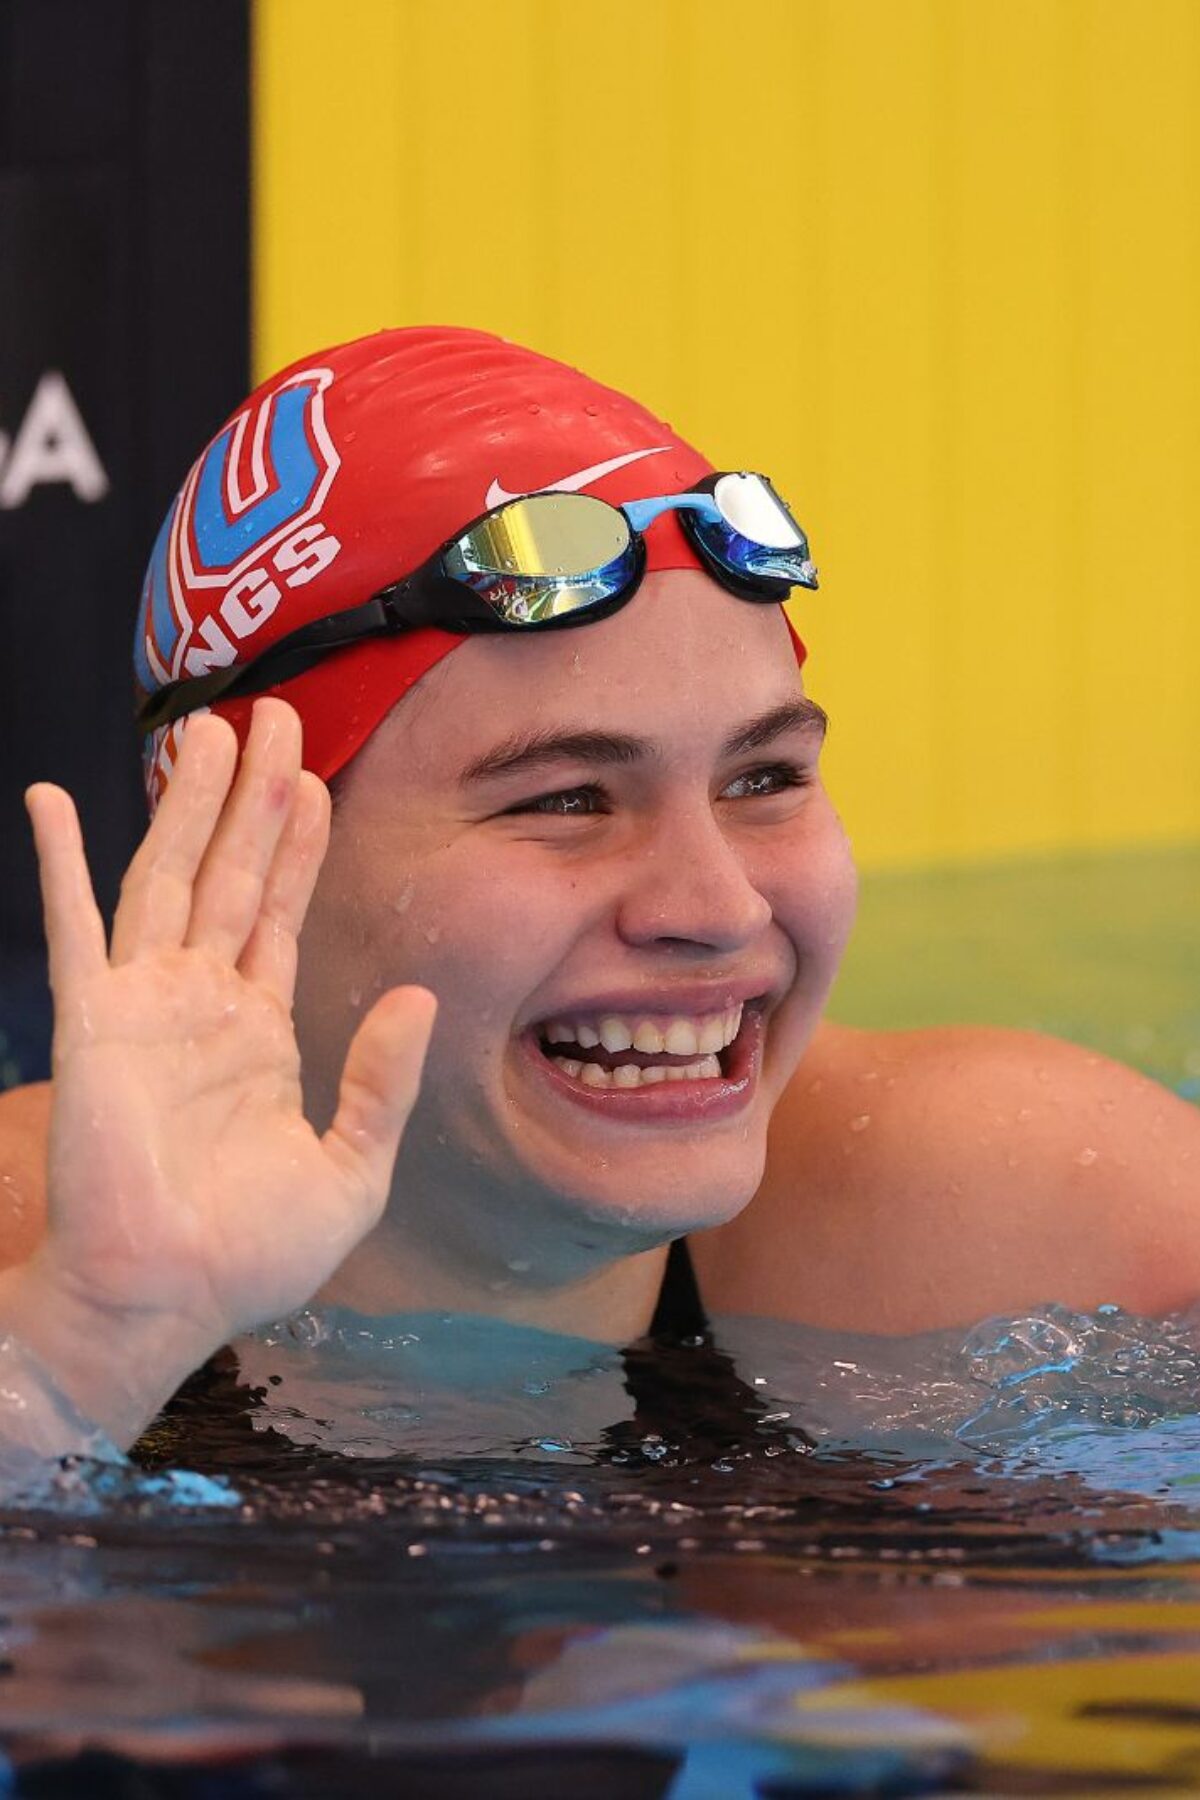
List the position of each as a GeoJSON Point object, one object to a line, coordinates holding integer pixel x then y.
{"type": "Point", "coordinates": [526, 751]}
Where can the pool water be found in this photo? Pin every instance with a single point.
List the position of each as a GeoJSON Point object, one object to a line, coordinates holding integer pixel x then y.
{"type": "Point", "coordinates": [415, 1557]}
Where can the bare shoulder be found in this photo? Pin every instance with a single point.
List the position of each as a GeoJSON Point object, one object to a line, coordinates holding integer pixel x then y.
{"type": "Point", "coordinates": [24, 1131]}
{"type": "Point", "coordinates": [927, 1178]}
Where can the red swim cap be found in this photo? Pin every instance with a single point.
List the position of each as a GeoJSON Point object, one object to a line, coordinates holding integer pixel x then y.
{"type": "Point", "coordinates": [346, 471]}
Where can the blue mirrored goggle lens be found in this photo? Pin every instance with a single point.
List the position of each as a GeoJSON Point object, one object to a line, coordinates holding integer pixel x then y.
{"type": "Point", "coordinates": [755, 534]}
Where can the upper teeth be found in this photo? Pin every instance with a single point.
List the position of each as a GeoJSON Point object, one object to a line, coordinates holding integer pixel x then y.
{"type": "Point", "coordinates": [680, 1036]}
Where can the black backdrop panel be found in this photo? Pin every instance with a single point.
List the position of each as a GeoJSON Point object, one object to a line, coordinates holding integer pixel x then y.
{"type": "Point", "coordinates": [123, 342]}
{"type": "Point", "coordinates": [64, 513]}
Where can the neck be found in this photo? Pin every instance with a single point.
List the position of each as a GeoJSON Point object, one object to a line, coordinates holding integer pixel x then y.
{"type": "Point", "coordinates": [391, 1272]}
{"type": "Point", "coordinates": [466, 1246]}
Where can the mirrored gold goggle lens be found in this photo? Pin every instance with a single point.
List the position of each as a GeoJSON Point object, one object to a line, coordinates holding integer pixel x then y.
{"type": "Point", "coordinates": [546, 534]}
{"type": "Point", "coordinates": [543, 556]}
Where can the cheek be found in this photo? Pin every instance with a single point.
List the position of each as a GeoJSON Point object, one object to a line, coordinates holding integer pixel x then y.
{"type": "Point", "coordinates": [483, 935]}
{"type": "Point", "coordinates": [813, 886]}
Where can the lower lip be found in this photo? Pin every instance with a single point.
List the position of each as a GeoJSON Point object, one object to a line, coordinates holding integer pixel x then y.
{"type": "Point", "coordinates": [699, 1102]}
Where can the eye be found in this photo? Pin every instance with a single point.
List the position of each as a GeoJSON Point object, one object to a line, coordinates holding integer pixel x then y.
{"type": "Point", "coordinates": [770, 779]}
{"type": "Point", "coordinates": [566, 803]}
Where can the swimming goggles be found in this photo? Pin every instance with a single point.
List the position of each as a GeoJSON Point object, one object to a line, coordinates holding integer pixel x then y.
{"type": "Point", "coordinates": [540, 562]}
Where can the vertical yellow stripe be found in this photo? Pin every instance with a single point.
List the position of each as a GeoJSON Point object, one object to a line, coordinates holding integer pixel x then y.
{"type": "Point", "coordinates": [935, 266]}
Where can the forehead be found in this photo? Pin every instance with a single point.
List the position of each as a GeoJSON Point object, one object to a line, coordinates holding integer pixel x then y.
{"type": "Point", "coordinates": [682, 663]}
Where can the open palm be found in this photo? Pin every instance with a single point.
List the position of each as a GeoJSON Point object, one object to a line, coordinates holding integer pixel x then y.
{"type": "Point", "coordinates": [184, 1180]}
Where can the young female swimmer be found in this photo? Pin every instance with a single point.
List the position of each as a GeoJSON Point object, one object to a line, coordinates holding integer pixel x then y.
{"type": "Point", "coordinates": [606, 850]}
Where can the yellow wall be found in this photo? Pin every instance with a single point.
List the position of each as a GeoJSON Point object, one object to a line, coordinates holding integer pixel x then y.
{"type": "Point", "coordinates": [933, 264]}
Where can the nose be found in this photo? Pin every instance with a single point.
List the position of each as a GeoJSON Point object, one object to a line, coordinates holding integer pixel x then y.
{"type": "Point", "coordinates": [689, 885]}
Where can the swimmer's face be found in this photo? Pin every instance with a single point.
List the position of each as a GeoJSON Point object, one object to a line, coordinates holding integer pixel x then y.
{"type": "Point", "coordinates": [614, 833]}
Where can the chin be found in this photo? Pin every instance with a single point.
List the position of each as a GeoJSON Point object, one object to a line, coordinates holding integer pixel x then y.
{"type": "Point", "coordinates": [639, 1201]}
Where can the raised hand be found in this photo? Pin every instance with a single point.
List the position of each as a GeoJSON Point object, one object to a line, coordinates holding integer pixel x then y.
{"type": "Point", "coordinates": [188, 1197]}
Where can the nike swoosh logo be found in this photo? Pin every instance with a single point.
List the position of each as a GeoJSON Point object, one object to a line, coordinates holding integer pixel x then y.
{"type": "Point", "coordinates": [570, 484]}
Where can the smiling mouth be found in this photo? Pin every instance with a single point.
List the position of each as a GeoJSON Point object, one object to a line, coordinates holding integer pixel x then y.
{"type": "Point", "coordinates": [623, 1051]}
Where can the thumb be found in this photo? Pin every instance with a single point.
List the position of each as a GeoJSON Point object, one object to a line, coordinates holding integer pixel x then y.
{"type": "Point", "coordinates": [379, 1086]}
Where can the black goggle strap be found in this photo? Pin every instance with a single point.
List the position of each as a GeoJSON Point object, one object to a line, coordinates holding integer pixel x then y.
{"type": "Point", "coordinates": [427, 597]}
{"type": "Point", "coordinates": [292, 655]}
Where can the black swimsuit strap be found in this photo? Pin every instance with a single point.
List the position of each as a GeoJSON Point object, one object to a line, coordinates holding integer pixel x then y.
{"type": "Point", "coordinates": [680, 1310]}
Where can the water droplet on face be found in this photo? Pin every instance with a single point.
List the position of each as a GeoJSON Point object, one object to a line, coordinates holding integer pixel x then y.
{"type": "Point", "coordinates": [861, 1123]}
{"type": "Point", "coordinates": [1086, 1158]}
{"type": "Point", "coordinates": [533, 409]}
{"type": "Point", "coordinates": [432, 934]}
{"type": "Point", "coordinates": [355, 996]}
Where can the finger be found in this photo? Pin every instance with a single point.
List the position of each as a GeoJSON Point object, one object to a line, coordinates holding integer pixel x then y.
{"type": "Point", "coordinates": [379, 1086]}
{"type": "Point", "coordinates": [74, 928]}
{"type": "Point", "coordinates": [229, 888]}
{"type": "Point", "coordinates": [156, 894]}
{"type": "Point", "coordinates": [270, 954]}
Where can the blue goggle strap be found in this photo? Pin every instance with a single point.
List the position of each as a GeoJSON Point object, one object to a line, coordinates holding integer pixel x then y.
{"type": "Point", "coordinates": [642, 513]}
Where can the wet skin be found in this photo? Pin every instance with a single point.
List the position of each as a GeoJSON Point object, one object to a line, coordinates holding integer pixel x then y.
{"type": "Point", "coordinates": [907, 1180]}
{"type": "Point", "coordinates": [662, 868]}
